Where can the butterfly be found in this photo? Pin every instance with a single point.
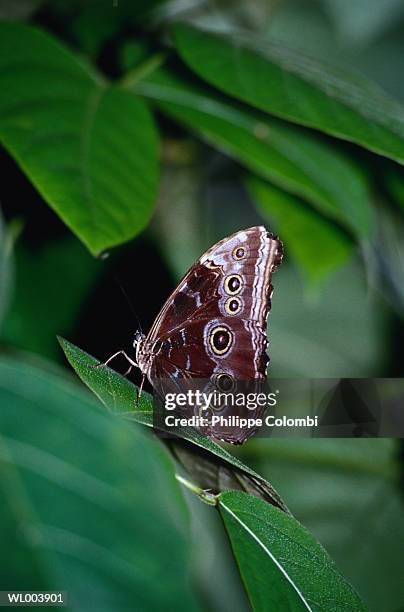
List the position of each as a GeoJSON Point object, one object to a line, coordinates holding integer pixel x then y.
{"type": "Point", "coordinates": [212, 327]}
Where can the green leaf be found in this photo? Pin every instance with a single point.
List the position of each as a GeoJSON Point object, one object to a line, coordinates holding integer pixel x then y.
{"type": "Point", "coordinates": [89, 504]}
{"type": "Point", "coordinates": [62, 273]}
{"type": "Point", "coordinates": [296, 221]}
{"type": "Point", "coordinates": [289, 85]}
{"type": "Point", "coordinates": [348, 494]}
{"type": "Point", "coordinates": [290, 157]}
{"type": "Point", "coordinates": [112, 389]}
{"type": "Point", "coordinates": [89, 149]}
{"type": "Point", "coordinates": [283, 567]}
{"type": "Point", "coordinates": [119, 395]}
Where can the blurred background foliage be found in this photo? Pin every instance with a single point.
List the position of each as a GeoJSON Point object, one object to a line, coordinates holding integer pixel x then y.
{"type": "Point", "coordinates": [162, 140]}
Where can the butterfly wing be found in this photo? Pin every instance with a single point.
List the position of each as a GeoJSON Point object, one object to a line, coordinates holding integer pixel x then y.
{"type": "Point", "coordinates": [213, 326]}
{"type": "Point", "coordinates": [216, 318]}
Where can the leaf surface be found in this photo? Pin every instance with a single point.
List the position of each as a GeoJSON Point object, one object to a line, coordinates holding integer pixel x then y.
{"type": "Point", "coordinates": [89, 504]}
{"type": "Point", "coordinates": [289, 156]}
{"type": "Point", "coordinates": [89, 148]}
{"type": "Point", "coordinates": [283, 567]}
{"type": "Point", "coordinates": [287, 84]}
{"type": "Point", "coordinates": [119, 395]}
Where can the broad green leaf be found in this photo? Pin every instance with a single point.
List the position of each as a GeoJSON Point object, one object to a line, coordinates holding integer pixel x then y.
{"type": "Point", "coordinates": [291, 157]}
{"type": "Point", "coordinates": [90, 149]}
{"type": "Point", "coordinates": [119, 395]}
{"type": "Point", "coordinates": [341, 333]}
{"type": "Point", "coordinates": [51, 285]}
{"type": "Point", "coordinates": [309, 28]}
{"type": "Point", "coordinates": [289, 85]}
{"type": "Point", "coordinates": [88, 503]}
{"type": "Point", "coordinates": [296, 221]}
{"type": "Point", "coordinates": [112, 389]}
{"type": "Point", "coordinates": [282, 565]}
{"type": "Point", "coordinates": [347, 493]}
{"type": "Point", "coordinates": [6, 270]}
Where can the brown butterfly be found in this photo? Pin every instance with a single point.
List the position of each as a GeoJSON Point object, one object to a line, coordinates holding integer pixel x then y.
{"type": "Point", "coordinates": [213, 325]}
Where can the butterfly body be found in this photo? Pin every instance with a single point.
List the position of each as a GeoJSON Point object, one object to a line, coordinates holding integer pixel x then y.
{"type": "Point", "coordinates": [213, 326]}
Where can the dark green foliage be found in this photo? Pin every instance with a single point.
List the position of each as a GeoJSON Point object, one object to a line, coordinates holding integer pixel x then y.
{"type": "Point", "coordinates": [166, 127]}
{"type": "Point", "coordinates": [74, 519]}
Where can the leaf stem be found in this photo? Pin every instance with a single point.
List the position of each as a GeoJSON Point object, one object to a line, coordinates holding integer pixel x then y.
{"type": "Point", "coordinates": [135, 75]}
{"type": "Point", "coordinates": [205, 496]}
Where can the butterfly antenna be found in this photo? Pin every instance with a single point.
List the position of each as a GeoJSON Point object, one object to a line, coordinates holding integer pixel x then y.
{"type": "Point", "coordinates": [133, 311]}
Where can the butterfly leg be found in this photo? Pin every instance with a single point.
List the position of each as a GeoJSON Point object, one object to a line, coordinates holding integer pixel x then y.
{"type": "Point", "coordinates": [132, 363]}
{"type": "Point", "coordinates": [128, 371]}
{"type": "Point", "coordinates": [139, 389]}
